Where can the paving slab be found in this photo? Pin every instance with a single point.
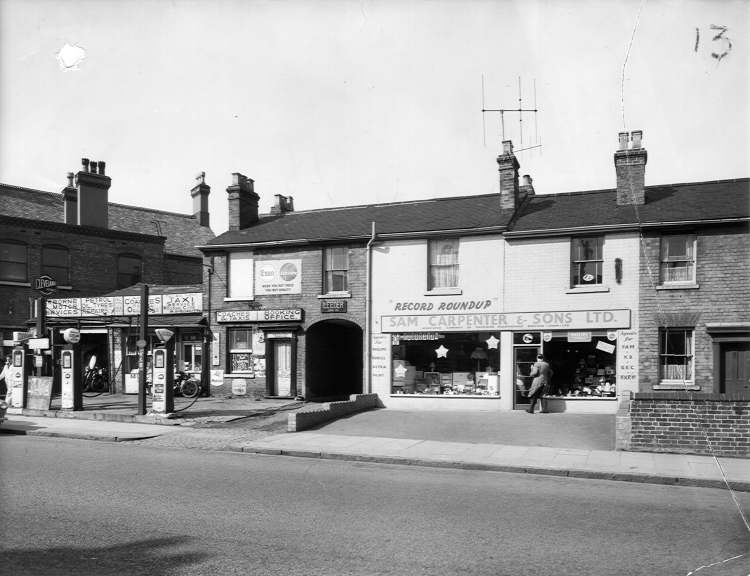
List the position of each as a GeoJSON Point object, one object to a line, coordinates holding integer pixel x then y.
{"type": "Point", "coordinates": [82, 429]}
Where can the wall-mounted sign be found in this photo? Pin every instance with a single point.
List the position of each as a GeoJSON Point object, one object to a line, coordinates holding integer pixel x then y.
{"type": "Point", "coordinates": [627, 361]}
{"type": "Point", "coordinates": [72, 335]}
{"type": "Point", "coordinates": [217, 378]}
{"type": "Point", "coordinates": [278, 277]}
{"type": "Point", "coordinates": [279, 335]}
{"type": "Point", "coordinates": [516, 321]}
{"type": "Point", "coordinates": [332, 306]}
{"type": "Point", "coordinates": [380, 361]}
{"type": "Point", "coordinates": [293, 314]}
{"type": "Point", "coordinates": [38, 343]}
{"type": "Point", "coordinates": [188, 303]}
{"type": "Point", "coordinates": [45, 285]}
{"type": "Point", "coordinates": [579, 336]}
{"type": "Point", "coordinates": [215, 350]}
{"type": "Point", "coordinates": [526, 338]}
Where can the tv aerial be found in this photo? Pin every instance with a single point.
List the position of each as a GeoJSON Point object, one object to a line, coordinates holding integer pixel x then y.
{"type": "Point", "coordinates": [520, 110]}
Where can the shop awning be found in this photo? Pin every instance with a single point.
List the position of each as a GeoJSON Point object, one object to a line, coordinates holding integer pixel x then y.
{"type": "Point", "coordinates": [166, 321]}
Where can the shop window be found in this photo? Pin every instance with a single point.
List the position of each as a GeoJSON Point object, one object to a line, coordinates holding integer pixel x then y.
{"type": "Point", "coordinates": [13, 261]}
{"type": "Point", "coordinates": [463, 364]}
{"type": "Point", "coordinates": [56, 264]}
{"type": "Point", "coordinates": [675, 354]}
{"type": "Point", "coordinates": [192, 356]}
{"type": "Point", "coordinates": [443, 264]}
{"type": "Point", "coordinates": [584, 364]}
{"type": "Point", "coordinates": [586, 260]}
{"type": "Point", "coordinates": [336, 269]}
{"type": "Point", "coordinates": [240, 275]}
{"type": "Point", "coordinates": [240, 344]}
{"type": "Point", "coordinates": [677, 262]}
{"type": "Point", "coordinates": [129, 269]}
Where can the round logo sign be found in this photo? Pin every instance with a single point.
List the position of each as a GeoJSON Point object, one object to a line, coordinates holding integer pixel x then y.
{"type": "Point", "coordinates": [588, 277]}
{"type": "Point", "coordinates": [288, 272]}
{"type": "Point", "coordinates": [528, 338]}
{"type": "Point", "coordinates": [46, 285]}
{"type": "Point", "coordinates": [72, 335]}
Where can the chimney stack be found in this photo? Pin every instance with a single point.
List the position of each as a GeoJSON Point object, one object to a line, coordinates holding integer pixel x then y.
{"type": "Point", "coordinates": [200, 193]}
{"type": "Point", "coordinates": [70, 201]}
{"type": "Point", "coordinates": [93, 195]}
{"type": "Point", "coordinates": [527, 188]}
{"type": "Point", "coordinates": [243, 202]}
{"type": "Point", "coordinates": [630, 167]}
{"type": "Point", "coordinates": [508, 168]}
{"type": "Point", "coordinates": [283, 204]}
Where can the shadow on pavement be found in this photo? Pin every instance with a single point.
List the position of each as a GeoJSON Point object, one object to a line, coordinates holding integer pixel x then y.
{"type": "Point", "coordinates": [152, 557]}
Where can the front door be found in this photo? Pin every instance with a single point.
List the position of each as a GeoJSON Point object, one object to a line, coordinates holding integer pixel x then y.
{"type": "Point", "coordinates": [735, 368]}
{"type": "Point", "coordinates": [282, 367]}
{"type": "Point", "coordinates": [524, 358]}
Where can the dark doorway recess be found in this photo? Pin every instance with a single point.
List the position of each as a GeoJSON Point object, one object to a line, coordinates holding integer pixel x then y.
{"type": "Point", "coordinates": [333, 360]}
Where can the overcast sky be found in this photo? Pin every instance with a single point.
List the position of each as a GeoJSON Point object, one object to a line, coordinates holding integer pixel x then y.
{"type": "Point", "coordinates": [343, 102]}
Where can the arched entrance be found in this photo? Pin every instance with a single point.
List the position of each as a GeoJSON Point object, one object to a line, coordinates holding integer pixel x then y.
{"type": "Point", "coordinates": [333, 360]}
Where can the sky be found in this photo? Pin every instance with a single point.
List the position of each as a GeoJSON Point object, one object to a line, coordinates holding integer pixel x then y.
{"type": "Point", "coordinates": [341, 103]}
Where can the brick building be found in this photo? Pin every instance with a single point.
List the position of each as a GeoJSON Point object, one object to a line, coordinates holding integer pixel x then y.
{"type": "Point", "coordinates": [90, 247]}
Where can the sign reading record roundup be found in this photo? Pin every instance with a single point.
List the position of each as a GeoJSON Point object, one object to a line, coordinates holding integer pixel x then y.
{"type": "Point", "coordinates": [574, 320]}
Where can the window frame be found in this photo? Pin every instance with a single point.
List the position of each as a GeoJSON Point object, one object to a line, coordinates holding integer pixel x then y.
{"type": "Point", "coordinates": [432, 248]}
{"type": "Point", "coordinates": [231, 350]}
{"type": "Point", "coordinates": [576, 263]}
{"type": "Point", "coordinates": [61, 280]}
{"type": "Point", "coordinates": [691, 259]}
{"type": "Point", "coordinates": [329, 270]}
{"type": "Point", "coordinates": [120, 274]}
{"type": "Point", "coordinates": [240, 264]}
{"type": "Point", "coordinates": [688, 364]}
{"type": "Point", "coordinates": [25, 261]}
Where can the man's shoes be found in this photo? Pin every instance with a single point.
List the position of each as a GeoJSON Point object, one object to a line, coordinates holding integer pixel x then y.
{"type": "Point", "coordinates": [530, 411]}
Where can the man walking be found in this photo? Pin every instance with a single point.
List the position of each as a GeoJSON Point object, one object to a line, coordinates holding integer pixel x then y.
{"type": "Point", "coordinates": [542, 373]}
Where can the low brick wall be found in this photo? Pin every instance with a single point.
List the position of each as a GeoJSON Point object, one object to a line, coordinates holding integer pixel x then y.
{"type": "Point", "coordinates": [687, 423]}
{"type": "Point", "coordinates": [317, 414]}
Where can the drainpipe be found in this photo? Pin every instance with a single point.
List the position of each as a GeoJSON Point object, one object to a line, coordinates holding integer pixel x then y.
{"type": "Point", "coordinates": [368, 315]}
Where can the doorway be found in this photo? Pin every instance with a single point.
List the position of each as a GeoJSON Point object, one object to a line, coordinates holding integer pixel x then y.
{"type": "Point", "coordinates": [280, 363]}
{"type": "Point", "coordinates": [333, 360]}
{"type": "Point", "coordinates": [524, 358]}
{"type": "Point", "coordinates": [735, 368]}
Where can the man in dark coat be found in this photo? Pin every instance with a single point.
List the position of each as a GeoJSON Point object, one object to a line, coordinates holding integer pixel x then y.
{"type": "Point", "coordinates": [542, 373]}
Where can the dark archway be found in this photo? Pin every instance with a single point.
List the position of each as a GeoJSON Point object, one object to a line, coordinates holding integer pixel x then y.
{"type": "Point", "coordinates": [333, 360]}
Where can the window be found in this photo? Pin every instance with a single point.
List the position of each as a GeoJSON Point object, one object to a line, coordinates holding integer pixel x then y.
{"type": "Point", "coordinates": [443, 264]}
{"type": "Point", "coordinates": [675, 354]}
{"type": "Point", "coordinates": [586, 260]}
{"type": "Point", "coordinates": [128, 270]}
{"type": "Point", "coordinates": [336, 269]}
{"type": "Point", "coordinates": [678, 258]}
{"type": "Point", "coordinates": [240, 275]}
{"type": "Point", "coordinates": [240, 343]}
{"type": "Point", "coordinates": [192, 356]}
{"type": "Point", "coordinates": [13, 262]}
{"type": "Point", "coordinates": [56, 264]}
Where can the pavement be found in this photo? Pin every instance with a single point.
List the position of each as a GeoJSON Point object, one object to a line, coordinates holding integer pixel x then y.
{"type": "Point", "coordinates": [572, 445]}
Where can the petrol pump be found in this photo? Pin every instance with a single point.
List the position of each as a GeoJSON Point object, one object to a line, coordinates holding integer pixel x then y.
{"type": "Point", "coordinates": [163, 373]}
{"type": "Point", "coordinates": [19, 372]}
{"type": "Point", "coordinates": [70, 366]}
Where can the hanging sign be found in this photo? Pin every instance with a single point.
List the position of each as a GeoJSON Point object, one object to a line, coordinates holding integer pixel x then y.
{"type": "Point", "coordinates": [45, 285]}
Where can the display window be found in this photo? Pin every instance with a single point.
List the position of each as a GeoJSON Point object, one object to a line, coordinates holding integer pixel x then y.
{"type": "Point", "coordinates": [582, 368]}
{"type": "Point", "coordinates": [461, 363]}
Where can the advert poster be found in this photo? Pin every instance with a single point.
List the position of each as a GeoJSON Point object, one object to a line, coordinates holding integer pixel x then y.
{"type": "Point", "coordinates": [278, 277]}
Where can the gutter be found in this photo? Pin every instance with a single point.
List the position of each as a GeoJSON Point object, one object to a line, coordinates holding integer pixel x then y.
{"type": "Point", "coordinates": [368, 315]}
{"type": "Point", "coordinates": [621, 227]}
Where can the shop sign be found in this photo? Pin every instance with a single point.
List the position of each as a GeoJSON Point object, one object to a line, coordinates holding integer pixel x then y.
{"type": "Point", "coordinates": [279, 335]}
{"type": "Point", "coordinates": [45, 285]}
{"type": "Point", "coordinates": [64, 307]}
{"type": "Point", "coordinates": [627, 360]}
{"type": "Point", "coordinates": [579, 336]}
{"type": "Point", "coordinates": [527, 338]}
{"type": "Point", "coordinates": [555, 320]}
{"type": "Point", "coordinates": [38, 343]}
{"type": "Point", "coordinates": [278, 277]}
{"type": "Point", "coordinates": [332, 306]}
{"type": "Point", "coordinates": [379, 361]}
{"type": "Point", "coordinates": [124, 305]}
{"type": "Point", "coordinates": [102, 306]}
{"type": "Point", "coordinates": [19, 337]}
{"type": "Point", "coordinates": [294, 314]}
{"type": "Point", "coordinates": [182, 303]}
{"type": "Point", "coordinates": [132, 305]}
{"type": "Point", "coordinates": [443, 306]}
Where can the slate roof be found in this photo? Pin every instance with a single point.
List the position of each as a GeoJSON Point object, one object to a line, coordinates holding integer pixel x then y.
{"type": "Point", "coordinates": [182, 231]}
{"type": "Point", "coordinates": [444, 215]}
{"type": "Point", "coordinates": [666, 204]}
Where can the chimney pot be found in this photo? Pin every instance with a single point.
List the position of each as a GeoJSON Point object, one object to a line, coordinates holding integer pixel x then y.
{"type": "Point", "coordinates": [637, 136]}
{"type": "Point", "coordinates": [507, 147]}
{"type": "Point", "coordinates": [101, 167]}
{"type": "Point", "coordinates": [85, 164]}
{"type": "Point", "coordinates": [70, 179]}
{"type": "Point", "coordinates": [93, 166]}
{"type": "Point", "coordinates": [527, 181]}
{"type": "Point", "coordinates": [623, 137]}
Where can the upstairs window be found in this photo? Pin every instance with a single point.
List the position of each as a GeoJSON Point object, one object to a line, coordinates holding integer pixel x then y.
{"type": "Point", "coordinates": [56, 264]}
{"type": "Point", "coordinates": [677, 258]}
{"type": "Point", "coordinates": [675, 354]}
{"type": "Point", "coordinates": [240, 284]}
{"type": "Point", "coordinates": [336, 269]}
{"type": "Point", "coordinates": [443, 264]}
{"type": "Point", "coordinates": [129, 270]}
{"type": "Point", "coordinates": [13, 261]}
{"type": "Point", "coordinates": [586, 260]}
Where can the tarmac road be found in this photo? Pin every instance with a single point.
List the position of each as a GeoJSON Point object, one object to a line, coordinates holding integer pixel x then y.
{"type": "Point", "coordinates": [82, 507]}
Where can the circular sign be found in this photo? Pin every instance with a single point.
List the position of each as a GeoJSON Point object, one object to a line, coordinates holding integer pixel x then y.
{"type": "Point", "coordinates": [46, 285]}
{"type": "Point", "coordinates": [72, 335]}
{"type": "Point", "coordinates": [528, 338]}
{"type": "Point", "coordinates": [588, 277]}
{"type": "Point", "coordinates": [140, 343]}
{"type": "Point", "coordinates": [288, 272]}
{"type": "Point", "coordinates": [611, 336]}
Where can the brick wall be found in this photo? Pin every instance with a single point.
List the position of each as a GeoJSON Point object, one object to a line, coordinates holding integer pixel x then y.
{"type": "Point", "coordinates": [307, 300]}
{"type": "Point", "coordinates": [689, 423]}
{"type": "Point", "coordinates": [722, 276]}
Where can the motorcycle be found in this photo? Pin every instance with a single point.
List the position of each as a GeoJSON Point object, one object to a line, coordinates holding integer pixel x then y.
{"type": "Point", "coordinates": [95, 378]}
{"type": "Point", "coordinates": [184, 384]}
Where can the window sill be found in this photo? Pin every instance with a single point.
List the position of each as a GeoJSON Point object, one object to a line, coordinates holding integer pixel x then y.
{"type": "Point", "coordinates": [329, 295]}
{"type": "Point", "coordinates": [240, 375]}
{"type": "Point", "coordinates": [675, 386]}
{"type": "Point", "coordinates": [678, 286]}
{"type": "Point", "coordinates": [444, 292]}
{"type": "Point", "coordinates": [587, 289]}
{"type": "Point", "coordinates": [9, 283]}
{"type": "Point", "coordinates": [466, 396]}
{"type": "Point", "coordinates": [245, 299]}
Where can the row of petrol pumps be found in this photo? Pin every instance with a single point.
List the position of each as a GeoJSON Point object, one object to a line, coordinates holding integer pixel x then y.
{"type": "Point", "coordinates": [19, 375]}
